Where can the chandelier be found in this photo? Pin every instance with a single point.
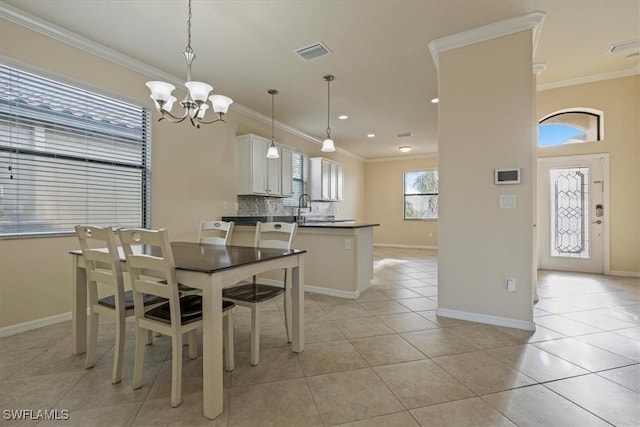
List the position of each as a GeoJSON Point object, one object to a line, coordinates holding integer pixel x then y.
{"type": "Point", "coordinates": [195, 102]}
{"type": "Point", "coordinates": [327, 144]}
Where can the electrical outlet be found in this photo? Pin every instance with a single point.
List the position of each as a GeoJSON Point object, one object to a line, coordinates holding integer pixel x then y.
{"type": "Point", "coordinates": [511, 284]}
{"type": "Point", "coordinates": [235, 207]}
{"type": "Point", "coordinates": [225, 206]}
{"type": "Point", "coordinates": [347, 244]}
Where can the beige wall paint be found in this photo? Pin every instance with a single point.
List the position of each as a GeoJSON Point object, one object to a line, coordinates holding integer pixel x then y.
{"type": "Point", "coordinates": [193, 172]}
{"type": "Point", "coordinates": [384, 203]}
{"type": "Point", "coordinates": [619, 99]}
{"type": "Point", "coordinates": [486, 122]}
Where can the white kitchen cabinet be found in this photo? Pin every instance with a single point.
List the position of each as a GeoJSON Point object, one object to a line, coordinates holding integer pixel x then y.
{"type": "Point", "coordinates": [326, 179]}
{"type": "Point", "coordinates": [258, 175]}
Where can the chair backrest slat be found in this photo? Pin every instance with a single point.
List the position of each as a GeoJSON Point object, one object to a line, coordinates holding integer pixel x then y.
{"type": "Point", "coordinates": [215, 232]}
{"type": "Point", "coordinates": [277, 235]}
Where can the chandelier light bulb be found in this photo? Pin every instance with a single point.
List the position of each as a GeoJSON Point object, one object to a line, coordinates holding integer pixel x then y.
{"type": "Point", "coordinates": [198, 91]}
{"type": "Point", "coordinates": [160, 91]}
{"type": "Point", "coordinates": [220, 103]}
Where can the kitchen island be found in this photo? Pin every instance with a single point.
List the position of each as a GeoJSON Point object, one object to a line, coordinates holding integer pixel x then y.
{"type": "Point", "coordinates": [339, 259]}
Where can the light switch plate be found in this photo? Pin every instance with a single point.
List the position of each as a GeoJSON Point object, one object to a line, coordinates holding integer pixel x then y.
{"type": "Point", "coordinates": [507, 201]}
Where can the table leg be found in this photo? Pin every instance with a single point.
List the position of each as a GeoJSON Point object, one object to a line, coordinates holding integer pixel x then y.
{"type": "Point", "coordinates": [212, 369]}
{"type": "Point", "coordinates": [297, 306]}
{"type": "Point", "coordinates": [79, 307]}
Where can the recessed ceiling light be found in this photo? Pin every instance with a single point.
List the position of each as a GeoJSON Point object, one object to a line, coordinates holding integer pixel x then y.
{"type": "Point", "coordinates": [435, 100]}
{"type": "Point", "coordinates": [371, 135]}
{"type": "Point", "coordinates": [343, 117]}
{"type": "Point", "coordinates": [405, 148]}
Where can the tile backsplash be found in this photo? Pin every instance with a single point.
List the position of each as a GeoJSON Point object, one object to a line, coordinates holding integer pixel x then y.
{"type": "Point", "coordinates": [258, 205]}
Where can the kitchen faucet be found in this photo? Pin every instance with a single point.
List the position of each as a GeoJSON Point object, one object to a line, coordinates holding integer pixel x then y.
{"type": "Point", "coordinates": [301, 219]}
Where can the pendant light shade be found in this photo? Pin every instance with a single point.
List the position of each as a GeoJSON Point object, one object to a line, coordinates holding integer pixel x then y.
{"type": "Point", "coordinates": [272, 151]}
{"type": "Point", "coordinates": [328, 145]}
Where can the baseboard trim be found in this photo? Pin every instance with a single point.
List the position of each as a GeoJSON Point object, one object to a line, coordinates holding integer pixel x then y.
{"type": "Point", "coordinates": [332, 292]}
{"type": "Point", "coordinates": [317, 289]}
{"type": "Point", "coordinates": [624, 273]}
{"type": "Point", "coordinates": [34, 324]}
{"type": "Point", "coordinates": [398, 245]}
{"type": "Point", "coordinates": [487, 318]}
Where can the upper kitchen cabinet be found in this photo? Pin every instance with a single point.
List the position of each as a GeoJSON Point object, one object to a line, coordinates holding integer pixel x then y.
{"type": "Point", "coordinates": [260, 176]}
{"type": "Point", "coordinates": [326, 179]}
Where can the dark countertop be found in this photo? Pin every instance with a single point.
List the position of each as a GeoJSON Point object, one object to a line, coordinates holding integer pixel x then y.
{"type": "Point", "coordinates": [251, 220]}
{"type": "Point", "coordinates": [338, 224]}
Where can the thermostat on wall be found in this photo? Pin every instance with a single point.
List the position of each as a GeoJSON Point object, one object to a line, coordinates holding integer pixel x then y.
{"type": "Point", "coordinates": [507, 176]}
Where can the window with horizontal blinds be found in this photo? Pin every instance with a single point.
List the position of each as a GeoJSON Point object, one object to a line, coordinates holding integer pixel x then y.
{"type": "Point", "coordinates": [69, 156]}
{"type": "Point", "coordinates": [300, 170]}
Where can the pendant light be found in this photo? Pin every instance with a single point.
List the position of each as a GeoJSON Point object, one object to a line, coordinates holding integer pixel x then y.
{"type": "Point", "coordinates": [195, 103]}
{"type": "Point", "coordinates": [327, 144]}
{"type": "Point", "coordinates": [272, 152]}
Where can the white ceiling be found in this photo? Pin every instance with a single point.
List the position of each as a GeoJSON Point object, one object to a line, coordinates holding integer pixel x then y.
{"type": "Point", "coordinates": [384, 73]}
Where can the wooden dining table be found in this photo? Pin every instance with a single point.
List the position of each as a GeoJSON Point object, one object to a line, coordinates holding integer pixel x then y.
{"type": "Point", "coordinates": [209, 268]}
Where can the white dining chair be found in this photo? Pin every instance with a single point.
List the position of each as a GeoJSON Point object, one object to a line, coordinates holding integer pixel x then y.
{"type": "Point", "coordinates": [153, 273]}
{"type": "Point", "coordinates": [215, 232]}
{"type": "Point", "coordinates": [276, 235]}
{"type": "Point", "coordinates": [104, 275]}
{"type": "Point", "coordinates": [212, 233]}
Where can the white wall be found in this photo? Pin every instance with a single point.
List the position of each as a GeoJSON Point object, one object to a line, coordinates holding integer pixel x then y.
{"type": "Point", "coordinates": [486, 116]}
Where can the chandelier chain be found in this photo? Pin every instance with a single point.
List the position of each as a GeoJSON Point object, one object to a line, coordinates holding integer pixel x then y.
{"type": "Point", "coordinates": [188, 48]}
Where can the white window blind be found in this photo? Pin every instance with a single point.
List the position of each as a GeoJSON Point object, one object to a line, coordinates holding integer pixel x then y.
{"type": "Point", "coordinates": [69, 156]}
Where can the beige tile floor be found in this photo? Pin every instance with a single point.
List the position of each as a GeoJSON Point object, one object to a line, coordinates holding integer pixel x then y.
{"type": "Point", "coordinates": [383, 360]}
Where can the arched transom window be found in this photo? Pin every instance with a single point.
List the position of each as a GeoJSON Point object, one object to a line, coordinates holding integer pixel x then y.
{"type": "Point", "coordinates": [570, 127]}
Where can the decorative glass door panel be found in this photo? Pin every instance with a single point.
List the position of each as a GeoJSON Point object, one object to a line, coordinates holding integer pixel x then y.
{"type": "Point", "coordinates": [569, 212]}
{"type": "Point", "coordinates": [572, 213]}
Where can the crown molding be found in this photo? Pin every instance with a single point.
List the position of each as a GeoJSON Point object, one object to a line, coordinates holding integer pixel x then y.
{"type": "Point", "coordinates": [402, 158]}
{"type": "Point", "coordinates": [590, 79]}
{"type": "Point", "coordinates": [267, 119]}
{"type": "Point", "coordinates": [39, 25]}
{"type": "Point", "coordinates": [531, 21]}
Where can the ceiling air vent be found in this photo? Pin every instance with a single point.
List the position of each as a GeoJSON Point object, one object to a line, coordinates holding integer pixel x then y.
{"type": "Point", "coordinates": [404, 135]}
{"type": "Point", "coordinates": [313, 51]}
{"type": "Point", "coordinates": [624, 46]}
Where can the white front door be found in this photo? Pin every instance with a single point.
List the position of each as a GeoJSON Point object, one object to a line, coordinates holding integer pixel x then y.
{"type": "Point", "coordinates": [572, 213]}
